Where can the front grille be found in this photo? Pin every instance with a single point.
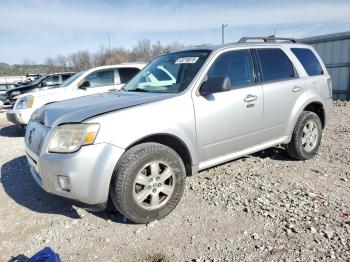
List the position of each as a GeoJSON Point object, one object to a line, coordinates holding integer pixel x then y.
{"type": "Point", "coordinates": [35, 134]}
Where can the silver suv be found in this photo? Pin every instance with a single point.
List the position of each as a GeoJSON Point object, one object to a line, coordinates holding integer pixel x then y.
{"type": "Point", "coordinates": [184, 112]}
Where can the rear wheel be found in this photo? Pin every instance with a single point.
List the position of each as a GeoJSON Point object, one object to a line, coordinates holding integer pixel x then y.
{"type": "Point", "coordinates": [306, 137]}
{"type": "Point", "coordinates": [148, 182]}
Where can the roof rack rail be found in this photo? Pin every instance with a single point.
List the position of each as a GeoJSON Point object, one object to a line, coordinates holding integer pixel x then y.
{"type": "Point", "coordinates": [266, 39]}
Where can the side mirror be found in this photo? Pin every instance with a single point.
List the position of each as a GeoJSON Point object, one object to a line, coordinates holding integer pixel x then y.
{"type": "Point", "coordinates": [85, 84]}
{"type": "Point", "coordinates": [215, 84]}
{"type": "Point", "coordinates": [43, 83]}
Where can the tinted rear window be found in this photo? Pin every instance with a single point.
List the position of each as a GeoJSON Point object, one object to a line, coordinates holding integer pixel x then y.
{"type": "Point", "coordinates": [309, 61]}
{"type": "Point", "coordinates": [275, 64]}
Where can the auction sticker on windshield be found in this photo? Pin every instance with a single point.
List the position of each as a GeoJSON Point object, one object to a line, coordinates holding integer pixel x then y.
{"type": "Point", "coordinates": [187, 60]}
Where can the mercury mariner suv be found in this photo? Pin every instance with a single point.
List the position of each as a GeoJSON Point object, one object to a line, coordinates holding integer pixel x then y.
{"type": "Point", "coordinates": [184, 112]}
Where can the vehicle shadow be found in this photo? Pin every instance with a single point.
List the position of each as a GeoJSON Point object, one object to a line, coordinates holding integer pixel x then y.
{"type": "Point", "coordinates": [21, 187]}
{"type": "Point", "coordinates": [19, 184]}
{"type": "Point", "coordinates": [12, 131]}
{"type": "Point", "coordinates": [275, 153]}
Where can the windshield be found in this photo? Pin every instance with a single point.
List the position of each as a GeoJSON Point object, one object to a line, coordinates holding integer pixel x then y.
{"type": "Point", "coordinates": [38, 80]}
{"type": "Point", "coordinates": [72, 79]}
{"type": "Point", "coordinates": [170, 73]}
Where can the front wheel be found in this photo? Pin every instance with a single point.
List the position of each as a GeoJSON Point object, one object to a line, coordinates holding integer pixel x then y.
{"type": "Point", "coordinates": [148, 182]}
{"type": "Point", "coordinates": [306, 137]}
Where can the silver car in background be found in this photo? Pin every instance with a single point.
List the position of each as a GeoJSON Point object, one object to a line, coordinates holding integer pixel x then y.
{"type": "Point", "coordinates": [184, 112]}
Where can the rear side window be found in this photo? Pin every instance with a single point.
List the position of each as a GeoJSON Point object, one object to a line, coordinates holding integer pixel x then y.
{"type": "Point", "coordinates": [309, 61]}
{"type": "Point", "coordinates": [275, 64]}
{"type": "Point", "coordinates": [236, 65]}
{"type": "Point", "coordinates": [126, 74]}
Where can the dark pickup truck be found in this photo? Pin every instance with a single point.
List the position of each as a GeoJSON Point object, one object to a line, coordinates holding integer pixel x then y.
{"type": "Point", "coordinates": [44, 82]}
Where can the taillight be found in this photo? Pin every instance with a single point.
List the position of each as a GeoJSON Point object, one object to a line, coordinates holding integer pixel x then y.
{"type": "Point", "coordinates": [330, 88]}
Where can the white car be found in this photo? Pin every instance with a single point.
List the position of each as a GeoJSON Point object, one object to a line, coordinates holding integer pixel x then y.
{"type": "Point", "coordinates": [92, 81]}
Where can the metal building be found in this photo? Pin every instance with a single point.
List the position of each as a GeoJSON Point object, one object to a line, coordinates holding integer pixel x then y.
{"type": "Point", "coordinates": [334, 49]}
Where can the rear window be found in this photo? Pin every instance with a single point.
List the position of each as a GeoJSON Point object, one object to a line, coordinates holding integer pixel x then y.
{"type": "Point", "coordinates": [275, 64]}
{"type": "Point", "coordinates": [309, 61]}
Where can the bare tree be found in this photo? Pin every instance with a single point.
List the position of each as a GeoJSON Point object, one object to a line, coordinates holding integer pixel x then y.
{"type": "Point", "coordinates": [143, 50]}
{"type": "Point", "coordinates": [81, 60]}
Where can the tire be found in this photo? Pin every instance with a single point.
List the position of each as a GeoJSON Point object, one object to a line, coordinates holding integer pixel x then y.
{"type": "Point", "coordinates": [139, 174]}
{"type": "Point", "coordinates": [304, 143]}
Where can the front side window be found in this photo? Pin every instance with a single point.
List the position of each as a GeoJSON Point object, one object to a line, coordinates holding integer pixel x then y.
{"type": "Point", "coordinates": [126, 74]}
{"type": "Point", "coordinates": [236, 65]}
{"type": "Point", "coordinates": [275, 64]}
{"type": "Point", "coordinates": [101, 78]}
{"type": "Point", "coordinates": [170, 73]}
{"type": "Point", "coordinates": [309, 61]}
{"type": "Point", "coordinates": [52, 80]}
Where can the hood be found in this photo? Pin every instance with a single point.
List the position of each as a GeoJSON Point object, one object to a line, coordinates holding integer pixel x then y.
{"type": "Point", "coordinates": [22, 88]}
{"type": "Point", "coordinates": [79, 109]}
{"type": "Point", "coordinates": [49, 92]}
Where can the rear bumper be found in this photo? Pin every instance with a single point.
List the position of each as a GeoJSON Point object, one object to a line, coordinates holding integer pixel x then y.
{"type": "Point", "coordinates": [89, 171]}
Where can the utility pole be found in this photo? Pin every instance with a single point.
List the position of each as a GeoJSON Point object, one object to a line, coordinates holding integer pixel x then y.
{"type": "Point", "coordinates": [223, 33]}
{"type": "Point", "coordinates": [109, 47]}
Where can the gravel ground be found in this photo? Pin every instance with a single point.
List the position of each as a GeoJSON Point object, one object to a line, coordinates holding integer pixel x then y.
{"type": "Point", "coordinates": [263, 207]}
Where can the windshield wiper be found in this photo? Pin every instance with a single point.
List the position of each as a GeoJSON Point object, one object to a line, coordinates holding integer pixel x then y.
{"type": "Point", "coordinates": [139, 90]}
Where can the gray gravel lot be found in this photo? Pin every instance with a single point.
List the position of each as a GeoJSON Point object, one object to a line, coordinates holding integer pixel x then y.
{"type": "Point", "coordinates": [263, 207]}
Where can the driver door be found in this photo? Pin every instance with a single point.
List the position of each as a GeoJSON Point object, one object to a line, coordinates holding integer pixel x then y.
{"type": "Point", "coordinates": [230, 121]}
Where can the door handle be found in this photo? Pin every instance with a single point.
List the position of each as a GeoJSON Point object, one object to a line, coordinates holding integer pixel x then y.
{"type": "Point", "coordinates": [250, 98]}
{"type": "Point", "coordinates": [297, 89]}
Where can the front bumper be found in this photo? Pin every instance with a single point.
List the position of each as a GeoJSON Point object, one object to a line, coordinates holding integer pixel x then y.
{"type": "Point", "coordinates": [89, 171]}
{"type": "Point", "coordinates": [19, 116]}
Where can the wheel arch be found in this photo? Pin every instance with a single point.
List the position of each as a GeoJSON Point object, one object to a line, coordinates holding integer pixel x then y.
{"type": "Point", "coordinates": [172, 141]}
{"type": "Point", "coordinates": [305, 104]}
{"type": "Point", "coordinates": [318, 109]}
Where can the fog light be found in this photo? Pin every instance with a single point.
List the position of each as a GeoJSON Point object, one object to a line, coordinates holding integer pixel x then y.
{"type": "Point", "coordinates": [64, 182]}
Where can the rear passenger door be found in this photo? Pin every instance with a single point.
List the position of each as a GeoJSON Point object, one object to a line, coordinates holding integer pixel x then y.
{"type": "Point", "coordinates": [281, 87]}
{"type": "Point", "coordinates": [230, 121]}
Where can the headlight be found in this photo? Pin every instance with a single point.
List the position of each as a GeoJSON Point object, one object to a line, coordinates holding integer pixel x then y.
{"type": "Point", "coordinates": [25, 102]}
{"type": "Point", "coordinates": [70, 138]}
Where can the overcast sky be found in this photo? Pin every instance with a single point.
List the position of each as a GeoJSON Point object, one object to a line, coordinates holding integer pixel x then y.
{"type": "Point", "coordinates": [37, 29]}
